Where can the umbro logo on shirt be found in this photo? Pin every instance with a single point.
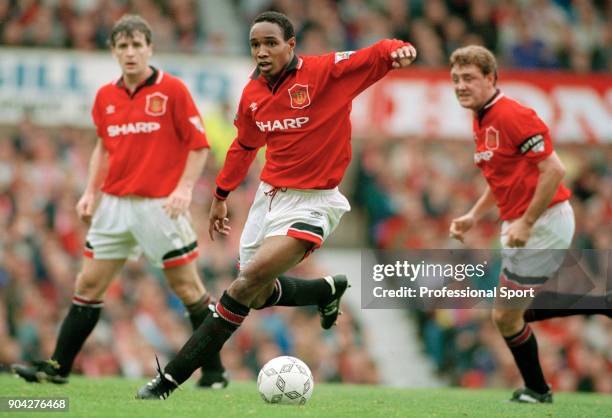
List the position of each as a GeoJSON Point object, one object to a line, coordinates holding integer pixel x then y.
{"type": "Point", "coordinates": [110, 109]}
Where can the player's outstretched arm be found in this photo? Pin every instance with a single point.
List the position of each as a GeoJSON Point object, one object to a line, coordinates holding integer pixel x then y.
{"type": "Point", "coordinates": [404, 56]}
{"type": "Point", "coordinates": [461, 225]}
{"type": "Point", "coordinates": [98, 168]}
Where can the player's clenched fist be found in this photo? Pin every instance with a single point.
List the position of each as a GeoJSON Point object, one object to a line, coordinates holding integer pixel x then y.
{"type": "Point", "coordinates": [403, 56]}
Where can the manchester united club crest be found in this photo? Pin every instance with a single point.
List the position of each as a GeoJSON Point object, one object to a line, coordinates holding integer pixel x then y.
{"type": "Point", "coordinates": [156, 104]}
{"type": "Point", "coordinates": [491, 138]}
{"type": "Point", "coordinates": [299, 96]}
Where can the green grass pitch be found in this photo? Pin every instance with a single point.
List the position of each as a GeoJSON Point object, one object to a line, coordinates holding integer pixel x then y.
{"type": "Point", "coordinates": [114, 397]}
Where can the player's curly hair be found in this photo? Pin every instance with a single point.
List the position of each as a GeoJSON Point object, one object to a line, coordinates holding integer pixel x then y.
{"type": "Point", "coordinates": [478, 55]}
{"type": "Point", "coordinates": [279, 19]}
{"type": "Point", "coordinates": [127, 25]}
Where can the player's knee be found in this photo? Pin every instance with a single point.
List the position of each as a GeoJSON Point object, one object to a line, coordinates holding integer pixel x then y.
{"type": "Point", "coordinates": [247, 288]}
{"type": "Point", "coordinates": [241, 291]}
{"type": "Point", "coordinates": [185, 283]}
{"type": "Point", "coordinates": [262, 300]}
{"type": "Point", "coordinates": [507, 320]}
{"type": "Point", "coordinates": [89, 286]}
{"type": "Point", "coordinates": [186, 292]}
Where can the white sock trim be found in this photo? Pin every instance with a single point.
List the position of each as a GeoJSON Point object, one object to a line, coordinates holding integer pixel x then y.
{"type": "Point", "coordinates": [332, 284]}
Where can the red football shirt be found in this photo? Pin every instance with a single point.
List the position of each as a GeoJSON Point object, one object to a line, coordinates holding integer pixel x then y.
{"type": "Point", "coordinates": [303, 118]}
{"type": "Point", "coordinates": [510, 141]}
{"type": "Point", "coordinates": [148, 134]}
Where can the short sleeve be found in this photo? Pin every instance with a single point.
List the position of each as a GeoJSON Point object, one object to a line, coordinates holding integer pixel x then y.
{"type": "Point", "coordinates": [529, 134]}
{"type": "Point", "coordinates": [187, 119]}
{"type": "Point", "coordinates": [96, 116]}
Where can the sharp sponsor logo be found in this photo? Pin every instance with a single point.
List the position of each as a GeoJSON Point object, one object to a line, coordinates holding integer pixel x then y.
{"type": "Point", "coordinates": [282, 125]}
{"type": "Point", "coordinates": [483, 156]}
{"type": "Point", "coordinates": [132, 128]}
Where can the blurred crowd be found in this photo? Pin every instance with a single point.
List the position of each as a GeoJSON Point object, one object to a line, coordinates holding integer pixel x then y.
{"type": "Point", "coordinates": [405, 192]}
{"type": "Point", "coordinates": [554, 34]}
{"type": "Point", "coordinates": [42, 173]}
{"type": "Point", "coordinates": [409, 191]}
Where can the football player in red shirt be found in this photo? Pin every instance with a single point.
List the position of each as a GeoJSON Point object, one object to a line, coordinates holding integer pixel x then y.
{"type": "Point", "coordinates": [150, 152]}
{"type": "Point", "coordinates": [524, 179]}
{"type": "Point", "coordinates": [298, 107]}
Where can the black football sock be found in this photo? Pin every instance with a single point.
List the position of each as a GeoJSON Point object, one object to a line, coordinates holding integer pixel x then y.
{"type": "Point", "coordinates": [290, 291]}
{"type": "Point", "coordinates": [78, 324]}
{"type": "Point", "coordinates": [198, 312]}
{"type": "Point", "coordinates": [548, 305]}
{"type": "Point", "coordinates": [524, 348]}
{"type": "Point", "coordinates": [208, 339]}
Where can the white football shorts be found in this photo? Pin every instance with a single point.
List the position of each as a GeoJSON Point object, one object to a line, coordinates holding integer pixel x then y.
{"type": "Point", "coordinates": [126, 227]}
{"type": "Point", "coordinates": [310, 215]}
{"type": "Point", "coordinates": [544, 251]}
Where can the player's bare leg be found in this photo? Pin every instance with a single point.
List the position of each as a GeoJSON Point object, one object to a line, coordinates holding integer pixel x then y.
{"type": "Point", "coordinates": [253, 288]}
{"type": "Point", "coordinates": [255, 283]}
{"type": "Point", "coordinates": [522, 342]}
{"type": "Point", "coordinates": [91, 285]}
{"type": "Point", "coordinates": [186, 284]}
{"type": "Point", "coordinates": [323, 292]}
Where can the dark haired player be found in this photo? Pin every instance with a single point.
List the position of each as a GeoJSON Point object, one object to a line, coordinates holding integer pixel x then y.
{"type": "Point", "coordinates": [299, 108]}
{"type": "Point", "coordinates": [150, 152]}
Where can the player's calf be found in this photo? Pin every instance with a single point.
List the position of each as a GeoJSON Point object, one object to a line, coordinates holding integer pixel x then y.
{"type": "Point", "coordinates": [325, 293]}
{"type": "Point", "coordinates": [522, 343]}
{"type": "Point", "coordinates": [508, 321]}
{"type": "Point", "coordinates": [207, 340]}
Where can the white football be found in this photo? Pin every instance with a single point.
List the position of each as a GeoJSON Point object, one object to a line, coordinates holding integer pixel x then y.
{"type": "Point", "coordinates": [285, 380]}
